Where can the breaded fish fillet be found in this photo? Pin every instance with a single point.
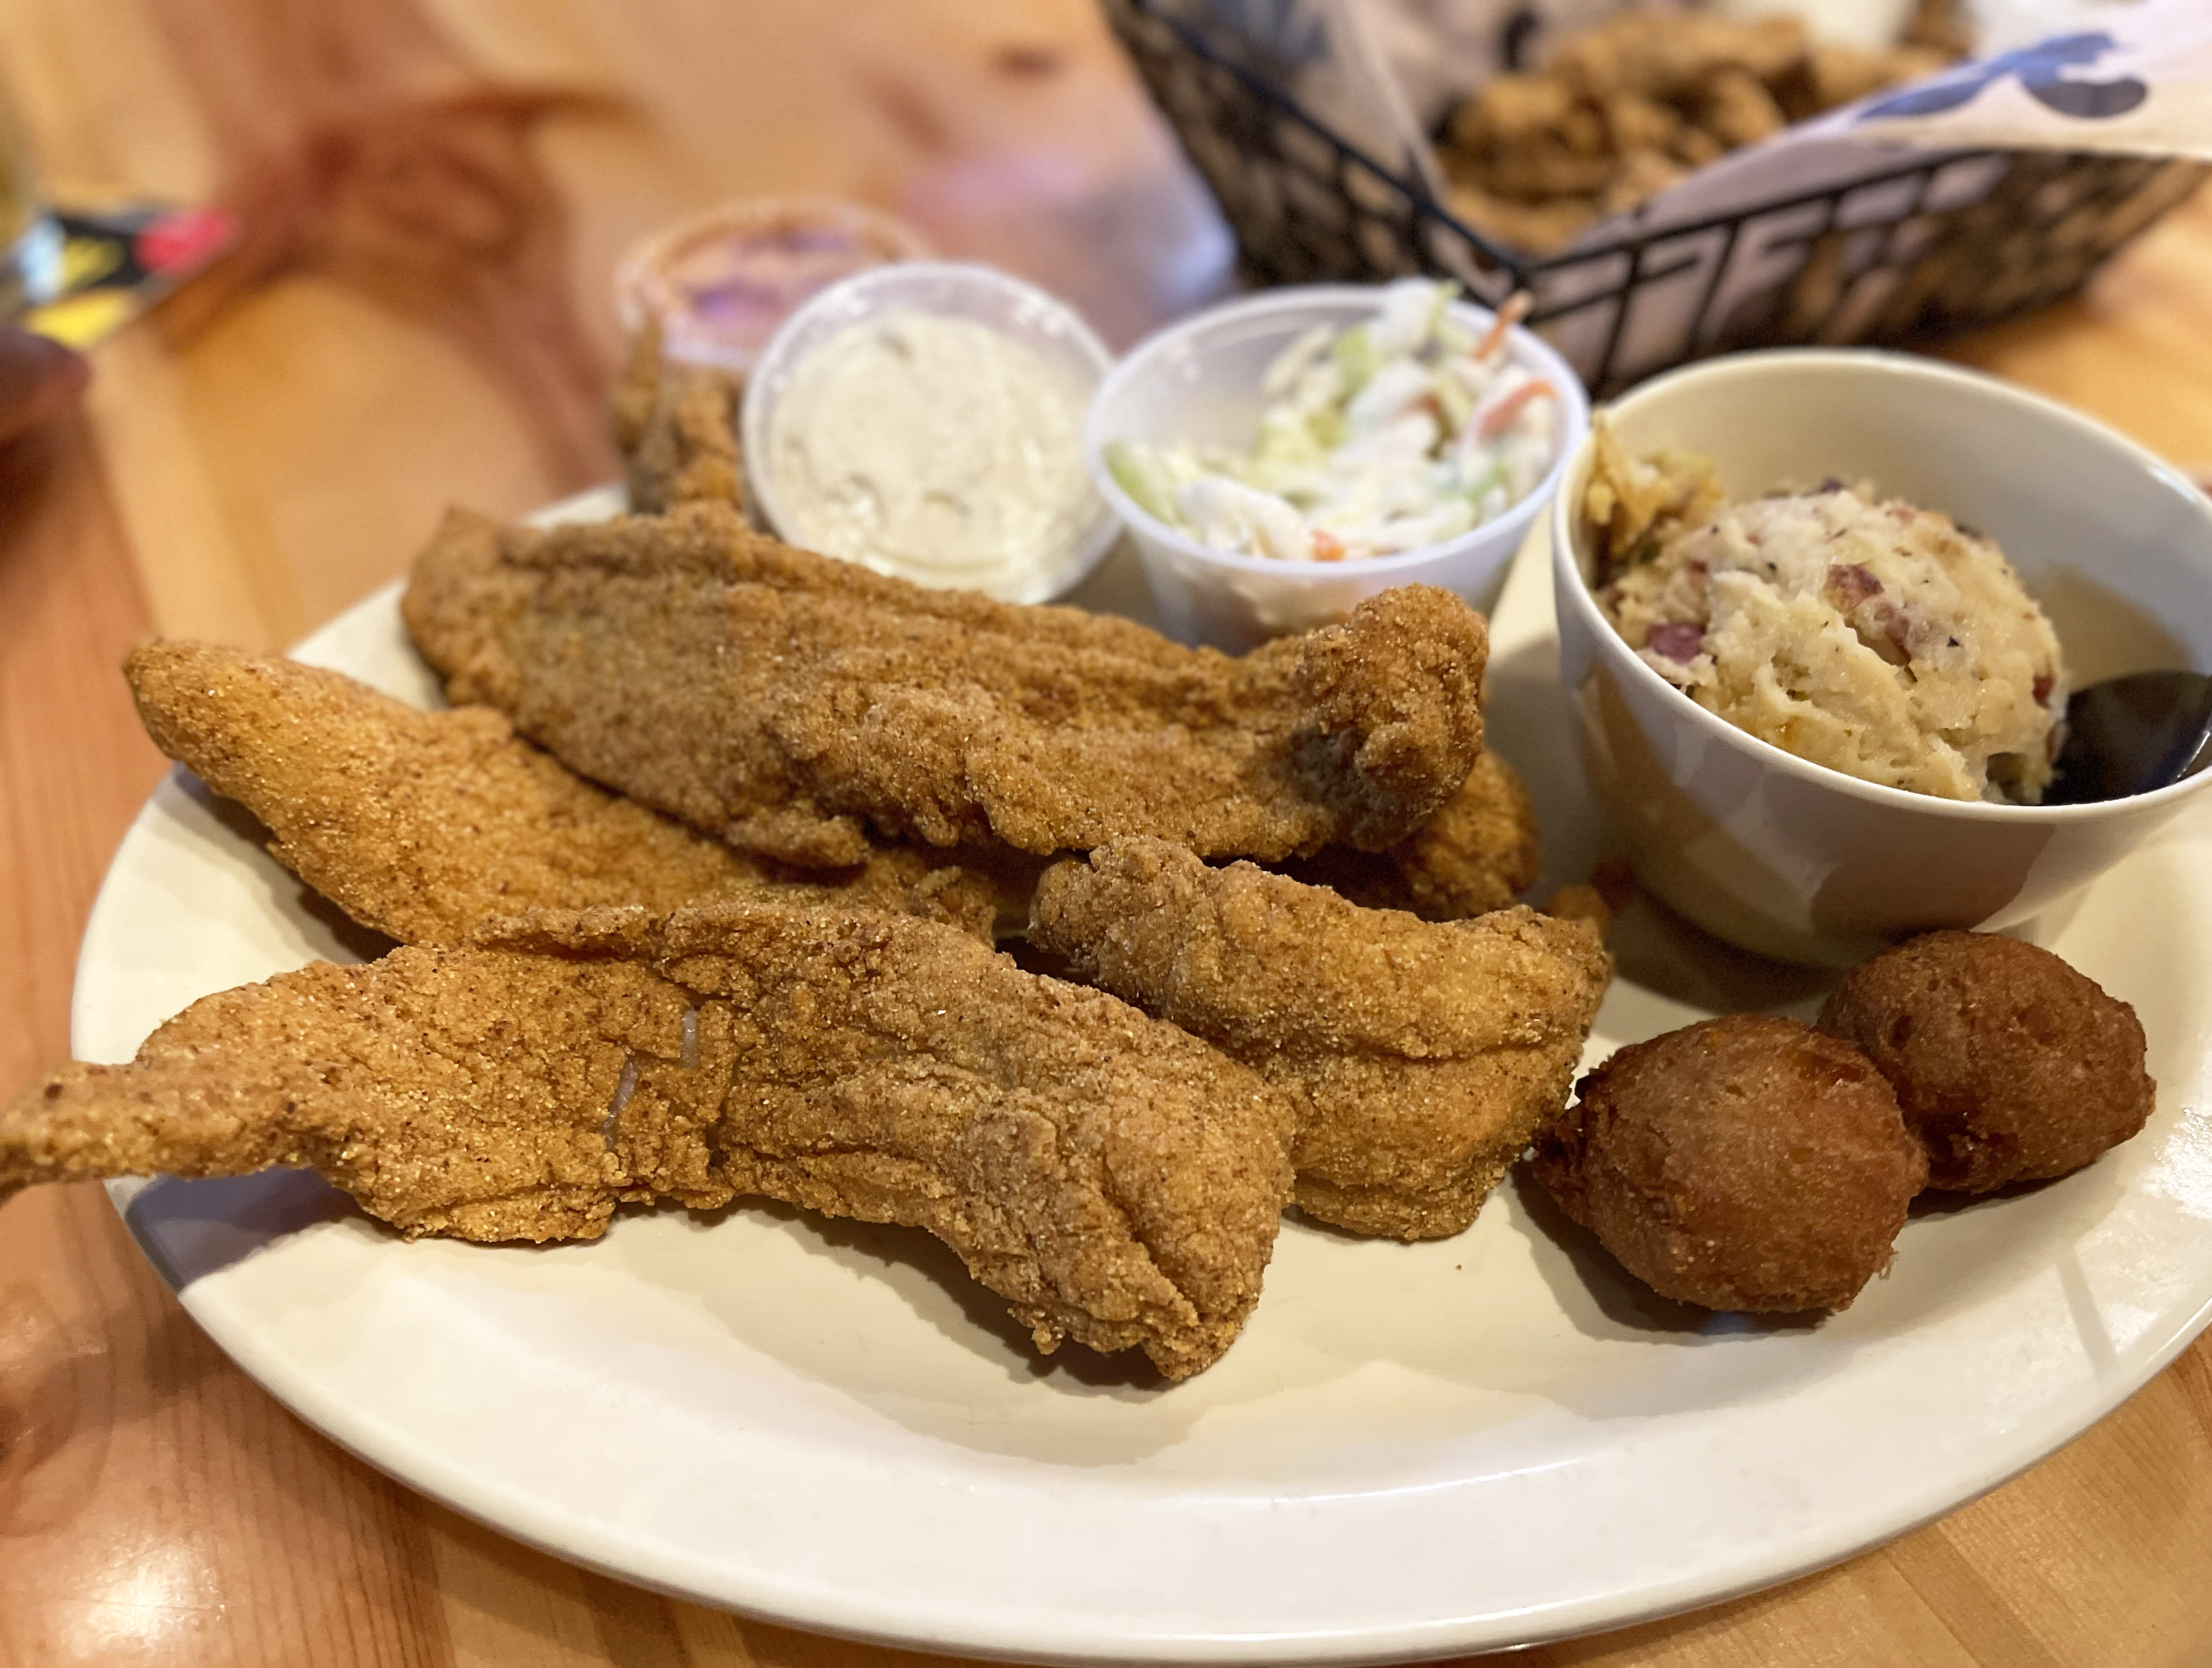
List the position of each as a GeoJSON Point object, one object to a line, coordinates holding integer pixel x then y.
{"type": "Point", "coordinates": [426, 825]}
{"type": "Point", "coordinates": [1479, 853]}
{"type": "Point", "coordinates": [1423, 1056]}
{"type": "Point", "coordinates": [1117, 1182]}
{"type": "Point", "coordinates": [780, 699]}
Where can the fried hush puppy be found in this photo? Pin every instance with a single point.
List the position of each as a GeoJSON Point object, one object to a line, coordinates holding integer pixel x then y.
{"type": "Point", "coordinates": [2009, 1065]}
{"type": "Point", "coordinates": [1749, 1162]}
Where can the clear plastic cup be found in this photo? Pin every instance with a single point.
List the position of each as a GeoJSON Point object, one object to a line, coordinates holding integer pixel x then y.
{"type": "Point", "coordinates": [722, 281]}
{"type": "Point", "coordinates": [947, 289]}
{"type": "Point", "coordinates": [1198, 381]}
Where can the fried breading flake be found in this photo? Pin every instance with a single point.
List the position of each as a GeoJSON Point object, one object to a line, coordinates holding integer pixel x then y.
{"type": "Point", "coordinates": [1423, 1056]}
{"type": "Point", "coordinates": [677, 426]}
{"type": "Point", "coordinates": [780, 700]}
{"type": "Point", "coordinates": [426, 825]}
{"type": "Point", "coordinates": [1478, 853]}
{"type": "Point", "coordinates": [1115, 1180]}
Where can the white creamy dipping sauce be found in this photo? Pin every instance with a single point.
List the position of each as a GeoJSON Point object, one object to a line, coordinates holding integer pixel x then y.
{"type": "Point", "coordinates": [936, 449]}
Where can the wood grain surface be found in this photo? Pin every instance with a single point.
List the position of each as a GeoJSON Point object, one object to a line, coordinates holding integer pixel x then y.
{"type": "Point", "coordinates": [435, 191]}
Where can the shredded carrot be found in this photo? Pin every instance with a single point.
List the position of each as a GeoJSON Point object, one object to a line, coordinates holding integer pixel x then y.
{"type": "Point", "coordinates": [1499, 417]}
{"type": "Point", "coordinates": [1514, 310]}
{"type": "Point", "coordinates": [1327, 546]}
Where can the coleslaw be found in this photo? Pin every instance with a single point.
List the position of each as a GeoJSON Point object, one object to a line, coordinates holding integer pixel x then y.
{"type": "Point", "coordinates": [1406, 431]}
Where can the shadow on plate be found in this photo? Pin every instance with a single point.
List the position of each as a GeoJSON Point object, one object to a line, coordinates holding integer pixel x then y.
{"type": "Point", "coordinates": [1604, 1300]}
{"type": "Point", "coordinates": [930, 1278]}
{"type": "Point", "coordinates": [190, 1230]}
{"type": "Point", "coordinates": [194, 1228]}
{"type": "Point", "coordinates": [295, 897]}
{"type": "Point", "coordinates": [1938, 1203]}
{"type": "Point", "coordinates": [1655, 950]}
{"type": "Point", "coordinates": [1658, 950]}
{"type": "Point", "coordinates": [1525, 719]}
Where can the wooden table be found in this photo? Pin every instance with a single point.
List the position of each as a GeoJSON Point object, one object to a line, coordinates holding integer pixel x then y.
{"type": "Point", "coordinates": [419, 314]}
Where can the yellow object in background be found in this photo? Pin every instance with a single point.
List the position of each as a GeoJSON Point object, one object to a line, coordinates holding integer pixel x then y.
{"type": "Point", "coordinates": [86, 261]}
{"type": "Point", "coordinates": [115, 263]}
{"type": "Point", "coordinates": [78, 321]}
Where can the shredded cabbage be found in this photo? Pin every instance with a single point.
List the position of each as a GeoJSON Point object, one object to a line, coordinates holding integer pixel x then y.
{"type": "Point", "coordinates": [1401, 431]}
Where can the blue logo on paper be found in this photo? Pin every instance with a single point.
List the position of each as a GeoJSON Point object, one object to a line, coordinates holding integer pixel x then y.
{"type": "Point", "coordinates": [2041, 69]}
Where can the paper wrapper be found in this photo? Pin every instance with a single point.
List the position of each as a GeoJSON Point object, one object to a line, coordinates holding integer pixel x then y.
{"type": "Point", "coordinates": [2131, 79]}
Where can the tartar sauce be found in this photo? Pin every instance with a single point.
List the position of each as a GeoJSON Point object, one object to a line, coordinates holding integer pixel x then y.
{"type": "Point", "coordinates": [937, 449]}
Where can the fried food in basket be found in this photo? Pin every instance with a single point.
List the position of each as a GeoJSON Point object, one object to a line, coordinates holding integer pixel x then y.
{"type": "Point", "coordinates": [1749, 1162]}
{"type": "Point", "coordinates": [1621, 110]}
{"type": "Point", "coordinates": [1478, 853]}
{"type": "Point", "coordinates": [2010, 1065]}
{"type": "Point", "coordinates": [1117, 1182]}
{"type": "Point", "coordinates": [1421, 1057]}
{"type": "Point", "coordinates": [783, 702]}
{"type": "Point", "coordinates": [426, 825]}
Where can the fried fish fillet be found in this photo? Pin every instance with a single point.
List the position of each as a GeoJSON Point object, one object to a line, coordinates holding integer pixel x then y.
{"type": "Point", "coordinates": [1115, 1180]}
{"type": "Point", "coordinates": [1478, 853]}
{"type": "Point", "coordinates": [780, 699]}
{"type": "Point", "coordinates": [426, 825]}
{"type": "Point", "coordinates": [1423, 1056]}
{"type": "Point", "coordinates": [676, 428]}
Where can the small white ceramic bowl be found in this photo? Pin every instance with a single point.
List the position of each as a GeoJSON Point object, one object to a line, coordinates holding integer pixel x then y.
{"type": "Point", "coordinates": [949, 289]}
{"type": "Point", "coordinates": [1797, 861]}
{"type": "Point", "coordinates": [1198, 381]}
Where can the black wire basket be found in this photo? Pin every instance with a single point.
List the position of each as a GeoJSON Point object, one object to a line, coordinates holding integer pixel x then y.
{"type": "Point", "coordinates": [1945, 240]}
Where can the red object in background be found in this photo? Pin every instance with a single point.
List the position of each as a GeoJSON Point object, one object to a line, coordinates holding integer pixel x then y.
{"type": "Point", "coordinates": [179, 241]}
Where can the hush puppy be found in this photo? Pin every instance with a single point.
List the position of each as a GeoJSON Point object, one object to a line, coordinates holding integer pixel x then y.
{"type": "Point", "coordinates": [2009, 1065]}
{"type": "Point", "coordinates": [1748, 1162]}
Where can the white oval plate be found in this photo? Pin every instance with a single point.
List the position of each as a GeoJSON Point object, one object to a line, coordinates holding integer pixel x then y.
{"type": "Point", "coordinates": [1412, 1451]}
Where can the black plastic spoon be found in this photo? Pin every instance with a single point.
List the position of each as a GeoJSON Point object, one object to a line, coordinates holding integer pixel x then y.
{"type": "Point", "coordinates": [2130, 735]}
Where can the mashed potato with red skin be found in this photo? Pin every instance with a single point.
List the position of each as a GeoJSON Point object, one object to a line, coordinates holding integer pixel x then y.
{"type": "Point", "coordinates": [1867, 635]}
